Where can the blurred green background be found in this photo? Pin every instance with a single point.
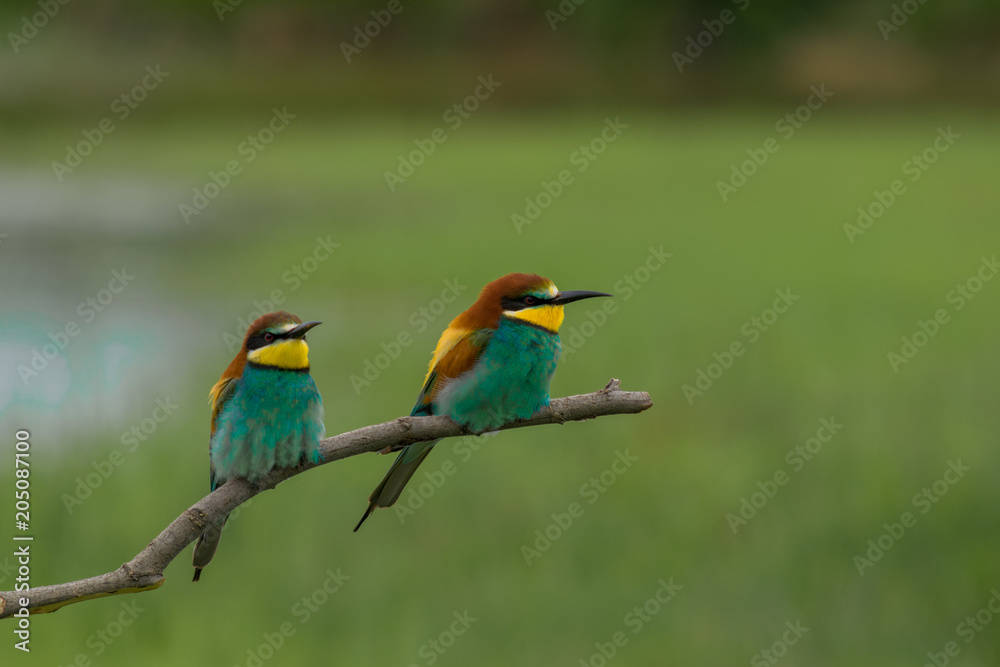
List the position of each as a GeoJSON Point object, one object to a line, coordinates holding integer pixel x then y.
{"type": "Point", "coordinates": [450, 226]}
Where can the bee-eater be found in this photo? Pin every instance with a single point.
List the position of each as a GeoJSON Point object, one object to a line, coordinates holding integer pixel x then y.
{"type": "Point", "coordinates": [492, 365]}
{"type": "Point", "coordinates": [266, 412]}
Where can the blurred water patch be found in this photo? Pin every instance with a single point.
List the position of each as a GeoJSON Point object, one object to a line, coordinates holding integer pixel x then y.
{"type": "Point", "coordinates": [70, 385]}
{"type": "Point", "coordinates": [119, 204]}
{"type": "Point", "coordinates": [86, 341]}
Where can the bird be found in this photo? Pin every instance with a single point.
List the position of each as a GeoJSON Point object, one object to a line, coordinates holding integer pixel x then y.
{"type": "Point", "coordinates": [266, 412]}
{"type": "Point", "coordinates": [492, 365]}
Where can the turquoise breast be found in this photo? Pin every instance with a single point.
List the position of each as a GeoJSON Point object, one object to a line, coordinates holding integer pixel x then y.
{"type": "Point", "coordinates": [273, 419]}
{"type": "Point", "coordinates": [509, 381]}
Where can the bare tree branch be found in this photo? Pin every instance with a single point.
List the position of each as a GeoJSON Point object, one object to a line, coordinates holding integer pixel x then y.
{"type": "Point", "coordinates": [145, 571]}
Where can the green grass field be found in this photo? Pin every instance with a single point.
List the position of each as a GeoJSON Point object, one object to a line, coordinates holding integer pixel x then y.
{"type": "Point", "coordinates": [664, 517]}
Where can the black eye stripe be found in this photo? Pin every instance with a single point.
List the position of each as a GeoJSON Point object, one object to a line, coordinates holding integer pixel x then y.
{"type": "Point", "coordinates": [522, 302]}
{"type": "Point", "coordinates": [260, 339]}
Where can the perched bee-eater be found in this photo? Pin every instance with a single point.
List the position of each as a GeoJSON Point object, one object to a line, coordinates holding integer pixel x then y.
{"type": "Point", "coordinates": [492, 365]}
{"type": "Point", "coordinates": [266, 412]}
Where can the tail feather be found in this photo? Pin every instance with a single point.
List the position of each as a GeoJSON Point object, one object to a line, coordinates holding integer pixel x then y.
{"type": "Point", "coordinates": [205, 547]}
{"type": "Point", "coordinates": [391, 486]}
{"type": "Point", "coordinates": [371, 508]}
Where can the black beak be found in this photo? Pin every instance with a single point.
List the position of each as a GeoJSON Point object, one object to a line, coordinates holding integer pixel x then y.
{"type": "Point", "coordinates": [300, 331]}
{"type": "Point", "coordinates": [574, 295]}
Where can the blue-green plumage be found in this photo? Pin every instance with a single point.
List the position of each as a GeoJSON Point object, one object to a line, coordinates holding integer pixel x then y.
{"type": "Point", "coordinates": [266, 412]}
{"type": "Point", "coordinates": [509, 381]}
{"type": "Point", "coordinates": [272, 418]}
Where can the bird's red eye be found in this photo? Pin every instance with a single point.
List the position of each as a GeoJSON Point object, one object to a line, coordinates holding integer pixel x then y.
{"type": "Point", "coordinates": [530, 301]}
{"type": "Point", "coordinates": [268, 337]}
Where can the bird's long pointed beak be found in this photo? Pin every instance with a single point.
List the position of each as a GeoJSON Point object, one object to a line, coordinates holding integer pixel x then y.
{"type": "Point", "coordinates": [300, 331]}
{"type": "Point", "coordinates": [574, 295]}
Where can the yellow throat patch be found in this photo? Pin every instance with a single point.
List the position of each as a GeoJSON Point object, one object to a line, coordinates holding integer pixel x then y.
{"type": "Point", "coordinates": [292, 354]}
{"type": "Point", "coordinates": [547, 317]}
